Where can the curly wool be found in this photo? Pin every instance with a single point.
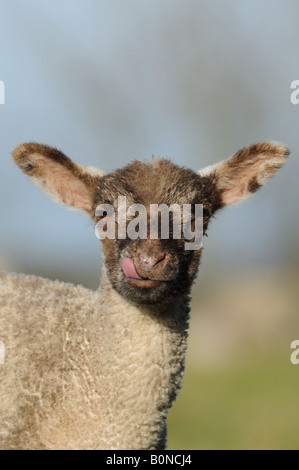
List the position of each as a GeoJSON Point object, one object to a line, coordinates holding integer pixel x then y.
{"type": "Point", "coordinates": [85, 370]}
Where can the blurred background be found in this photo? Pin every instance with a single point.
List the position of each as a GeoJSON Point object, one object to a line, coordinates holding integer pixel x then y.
{"type": "Point", "coordinates": [107, 82]}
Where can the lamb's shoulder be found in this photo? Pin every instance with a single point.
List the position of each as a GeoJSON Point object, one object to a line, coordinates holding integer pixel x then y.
{"type": "Point", "coordinates": [38, 316]}
{"type": "Point", "coordinates": [32, 299]}
{"type": "Point", "coordinates": [45, 327]}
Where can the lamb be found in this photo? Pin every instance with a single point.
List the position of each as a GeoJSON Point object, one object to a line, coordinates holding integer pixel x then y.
{"type": "Point", "coordinates": [100, 370]}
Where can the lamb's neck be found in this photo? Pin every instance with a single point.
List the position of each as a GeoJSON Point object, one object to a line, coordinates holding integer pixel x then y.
{"type": "Point", "coordinates": [143, 358]}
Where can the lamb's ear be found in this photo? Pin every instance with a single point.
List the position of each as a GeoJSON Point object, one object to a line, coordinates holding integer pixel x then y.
{"type": "Point", "coordinates": [58, 175]}
{"type": "Point", "coordinates": [246, 171]}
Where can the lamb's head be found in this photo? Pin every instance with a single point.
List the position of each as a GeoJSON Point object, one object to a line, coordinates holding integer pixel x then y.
{"type": "Point", "coordinates": [142, 264]}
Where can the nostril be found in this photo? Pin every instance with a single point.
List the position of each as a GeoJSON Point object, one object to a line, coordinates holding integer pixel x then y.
{"type": "Point", "coordinates": [150, 261]}
{"type": "Point", "coordinates": [159, 258]}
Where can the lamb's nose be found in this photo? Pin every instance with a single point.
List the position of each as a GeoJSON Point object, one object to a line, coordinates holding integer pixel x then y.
{"type": "Point", "coordinates": [148, 262]}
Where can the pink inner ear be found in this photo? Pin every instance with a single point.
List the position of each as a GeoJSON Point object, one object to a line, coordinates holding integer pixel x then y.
{"type": "Point", "coordinates": [63, 185]}
{"type": "Point", "coordinates": [129, 268]}
{"type": "Point", "coordinates": [237, 186]}
{"type": "Point", "coordinates": [76, 198]}
{"type": "Point", "coordinates": [235, 194]}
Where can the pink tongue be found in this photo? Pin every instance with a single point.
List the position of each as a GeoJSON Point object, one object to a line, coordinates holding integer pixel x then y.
{"type": "Point", "coordinates": [129, 268]}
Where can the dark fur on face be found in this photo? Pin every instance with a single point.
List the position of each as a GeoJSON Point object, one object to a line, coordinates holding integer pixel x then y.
{"type": "Point", "coordinates": [155, 183]}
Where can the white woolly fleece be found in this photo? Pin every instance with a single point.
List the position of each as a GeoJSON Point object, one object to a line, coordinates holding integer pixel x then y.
{"type": "Point", "coordinates": [86, 370]}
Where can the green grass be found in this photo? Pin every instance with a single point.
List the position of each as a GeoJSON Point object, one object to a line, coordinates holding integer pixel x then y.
{"type": "Point", "coordinates": [254, 405]}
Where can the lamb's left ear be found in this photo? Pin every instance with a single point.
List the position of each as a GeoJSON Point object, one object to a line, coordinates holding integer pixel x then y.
{"type": "Point", "coordinates": [246, 171]}
{"type": "Point", "coordinates": [57, 175]}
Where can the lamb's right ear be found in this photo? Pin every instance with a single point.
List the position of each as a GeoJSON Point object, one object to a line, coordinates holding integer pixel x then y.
{"type": "Point", "coordinates": [236, 178]}
{"type": "Point", "coordinates": [58, 175]}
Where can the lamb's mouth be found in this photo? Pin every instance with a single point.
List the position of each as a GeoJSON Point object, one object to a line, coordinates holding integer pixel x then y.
{"type": "Point", "coordinates": [134, 279]}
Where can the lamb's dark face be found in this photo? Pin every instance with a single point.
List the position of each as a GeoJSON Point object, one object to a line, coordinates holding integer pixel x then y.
{"type": "Point", "coordinates": [152, 270]}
